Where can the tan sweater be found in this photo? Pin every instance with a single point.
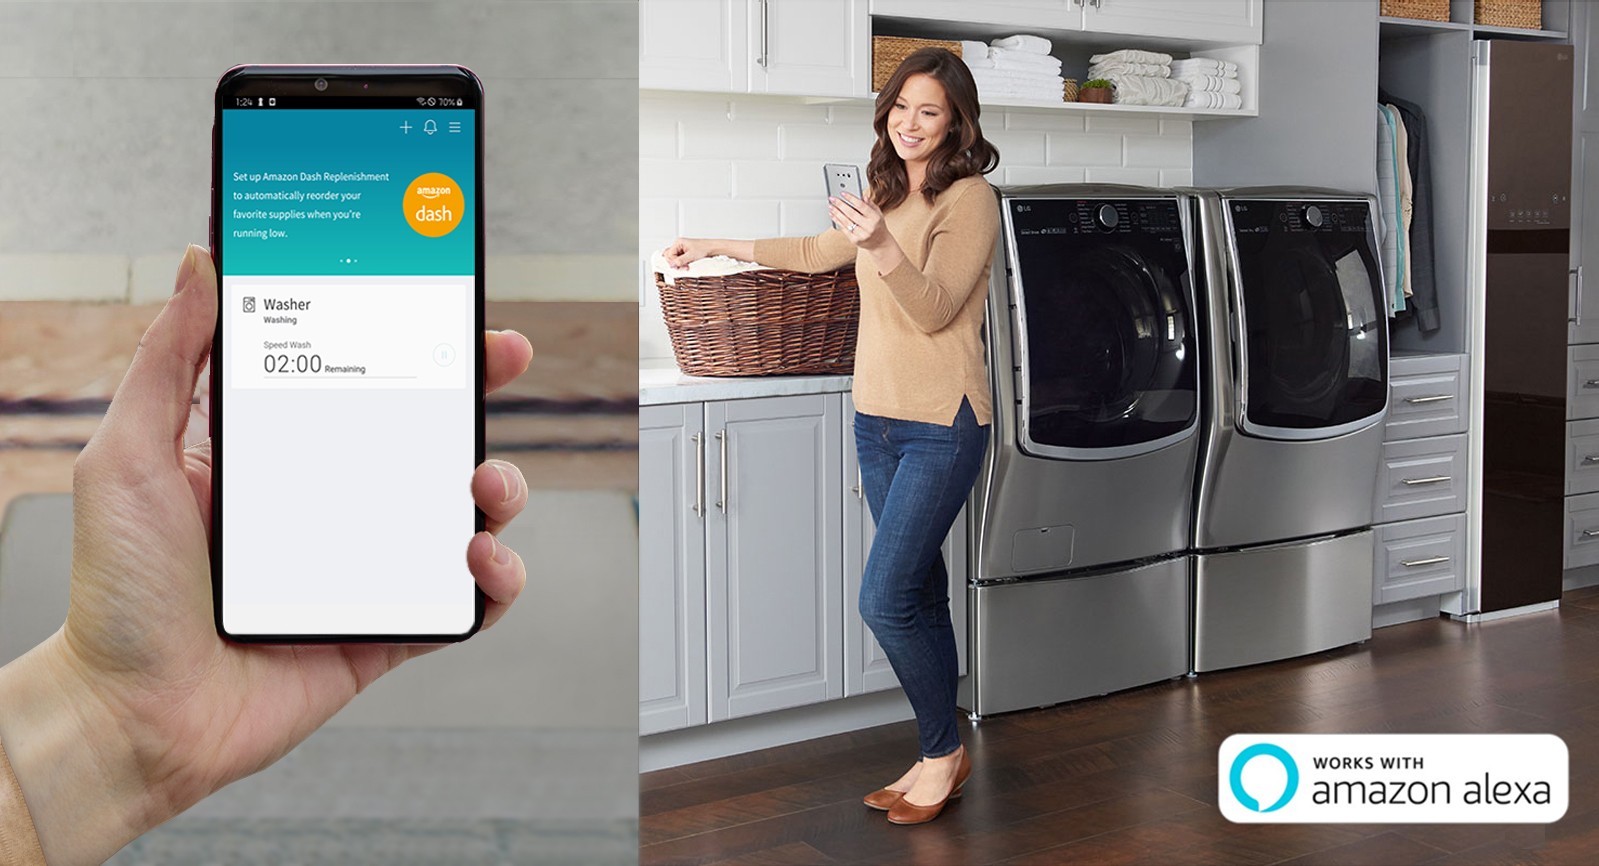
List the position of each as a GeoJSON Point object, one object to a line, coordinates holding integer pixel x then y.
{"type": "Point", "coordinates": [19, 844]}
{"type": "Point", "coordinates": [920, 347]}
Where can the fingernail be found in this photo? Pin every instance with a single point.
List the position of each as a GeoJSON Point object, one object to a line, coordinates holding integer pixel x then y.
{"type": "Point", "coordinates": [502, 554]}
{"type": "Point", "coordinates": [507, 481]}
{"type": "Point", "coordinates": [185, 270]}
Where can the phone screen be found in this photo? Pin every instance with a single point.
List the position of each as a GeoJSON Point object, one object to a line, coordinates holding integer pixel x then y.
{"type": "Point", "coordinates": [347, 392]}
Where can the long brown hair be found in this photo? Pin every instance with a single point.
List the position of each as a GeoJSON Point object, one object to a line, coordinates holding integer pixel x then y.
{"type": "Point", "coordinates": [962, 153]}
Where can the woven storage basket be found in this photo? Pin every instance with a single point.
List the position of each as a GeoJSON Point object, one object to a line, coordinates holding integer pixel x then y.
{"type": "Point", "coordinates": [1069, 88]}
{"type": "Point", "coordinates": [763, 323]}
{"type": "Point", "coordinates": [888, 52]}
{"type": "Point", "coordinates": [1427, 10]}
{"type": "Point", "coordinates": [1527, 14]}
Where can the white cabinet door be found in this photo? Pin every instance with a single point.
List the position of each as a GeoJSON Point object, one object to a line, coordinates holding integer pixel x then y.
{"type": "Point", "coordinates": [1039, 14]}
{"type": "Point", "coordinates": [1236, 21]}
{"type": "Point", "coordinates": [866, 669]}
{"type": "Point", "coordinates": [810, 47]}
{"type": "Point", "coordinates": [671, 581]}
{"type": "Point", "coordinates": [773, 559]}
{"type": "Point", "coordinates": [1585, 241]}
{"type": "Point", "coordinates": [694, 45]}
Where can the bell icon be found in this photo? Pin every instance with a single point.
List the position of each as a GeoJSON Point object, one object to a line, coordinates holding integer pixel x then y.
{"type": "Point", "coordinates": [430, 127]}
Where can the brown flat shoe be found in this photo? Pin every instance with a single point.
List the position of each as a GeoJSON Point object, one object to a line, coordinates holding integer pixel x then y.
{"type": "Point", "coordinates": [882, 799]}
{"type": "Point", "coordinates": [903, 812]}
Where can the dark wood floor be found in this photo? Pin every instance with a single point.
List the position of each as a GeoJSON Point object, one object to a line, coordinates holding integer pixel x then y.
{"type": "Point", "coordinates": [1131, 778]}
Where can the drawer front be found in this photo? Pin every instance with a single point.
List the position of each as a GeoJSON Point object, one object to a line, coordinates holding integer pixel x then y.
{"type": "Point", "coordinates": [1427, 397]}
{"type": "Point", "coordinates": [1582, 530]}
{"type": "Point", "coordinates": [1421, 478]}
{"type": "Point", "coordinates": [1418, 558]}
{"type": "Point", "coordinates": [1582, 382]}
{"type": "Point", "coordinates": [1582, 457]}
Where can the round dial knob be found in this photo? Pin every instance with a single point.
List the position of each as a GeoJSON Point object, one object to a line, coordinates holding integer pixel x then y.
{"type": "Point", "coordinates": [1313, 216]}
{"type": "Point", "coordinates": [1107, 216]}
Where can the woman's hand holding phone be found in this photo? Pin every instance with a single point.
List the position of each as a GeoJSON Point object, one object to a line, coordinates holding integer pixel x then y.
{"type": "Point", "coordinates": [136, 709]}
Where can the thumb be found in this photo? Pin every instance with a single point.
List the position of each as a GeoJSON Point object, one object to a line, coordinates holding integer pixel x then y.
{"type": "Point", "coordinates": [151, 406]}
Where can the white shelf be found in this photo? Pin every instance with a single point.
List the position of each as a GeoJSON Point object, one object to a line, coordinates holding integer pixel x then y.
{"type": "Point", "coordinates": [1417, 26]}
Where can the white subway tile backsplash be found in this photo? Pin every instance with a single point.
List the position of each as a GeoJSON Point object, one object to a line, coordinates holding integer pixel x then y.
{"type": "Point", "coordinates": [657, 223]}
{"type": "Point", "coordinates": [1157, 151]}
{"type": "Point", "coordinates": [1018, 175]}
{"type": "Point", "coordinates": [851, 116]}
{"type": "Point", "coordinates": [1137, 176]}
{"type": "Point", "coordinates": [805, 217]}
{"type": "Point", "coordinates": [658, 141]}
{"type": "Point", "coordinates": [753, 140]}
{"type": "Point", "coordinates": [1084, 150]}
{"type": "Point", "coordinates": [1177, 177]}
{"type": "Point", "coordinates": [730, 219]}
{"type": "Point", "coordinates": [778, 111]}
{"type": "Point", "coordinates": [1020, 148]}
{"type": "Point", "coordinates": [829, 143]}
{"type": "Point", "coordinates": [773, 179]}
{"type": "Point", "coordinates": [1123, 124]}
{"type": "Point", "coordinates": [1175, 126]}
{"type": "Point", "coordinates": [1043, 121]}
{"type": "Point", "coordinates": [688, 179]}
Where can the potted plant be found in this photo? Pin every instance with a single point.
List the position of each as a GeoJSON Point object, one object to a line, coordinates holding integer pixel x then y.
{"type": "Point", "coordinates": [1095, 90]}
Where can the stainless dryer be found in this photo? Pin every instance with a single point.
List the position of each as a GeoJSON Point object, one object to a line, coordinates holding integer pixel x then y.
{"type": "Point", "coordinates": [1297, 338]}
{"type": "Point", "coordinates": [1081, 516]}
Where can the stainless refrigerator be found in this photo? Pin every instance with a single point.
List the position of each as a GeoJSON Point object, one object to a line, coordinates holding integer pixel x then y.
{"type": "Point", "coordinates": [1520, 285]}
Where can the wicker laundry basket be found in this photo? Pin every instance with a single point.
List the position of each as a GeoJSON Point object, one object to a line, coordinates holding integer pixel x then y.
{"type": "Point", "coordinates": [763, 323]}
{"type": "Point", "coordinates": [888, 52]}
{"type": "Point", "coordinates": [1527, 14]}
{"type": "Point", "coordinates": [1427, 10]}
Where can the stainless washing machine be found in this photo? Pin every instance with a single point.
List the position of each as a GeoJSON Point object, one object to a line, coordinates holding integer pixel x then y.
{"type": "Point", "coordinates": [1297, 372]}
{"type": "Point", "coordinates": [1082, 515]}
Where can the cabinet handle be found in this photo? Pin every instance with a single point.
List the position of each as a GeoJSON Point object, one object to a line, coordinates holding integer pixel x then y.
{"type": "Point", "coordinates": [1591, 458]}
{"type": "Point", "coordinates": [1417, 563]}
{"type": "Point", "coordinates": [1590, 533]}
{"type": "Point", "coordinates": [1433, 398]}
{"type": "Point", "coordinates": [721, 438]}
{"type": "Point", "coordinates": [1591, 383]}
{"type": "Point", "coordinates": [860, 486]}
{"type": "Point", "coordinates": [761, 60]}
{"type": "Point", "coordinates": [1576, 318]}
{"type": "Point", "coordinates": [1436, 479]}
{"type": "Point", "coordinates": [699, 475]}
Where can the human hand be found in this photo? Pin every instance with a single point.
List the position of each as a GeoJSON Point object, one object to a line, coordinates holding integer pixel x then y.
{"type": "Point", "coordinates": [685, 251]}
{"type": "Point", "coordinates": [137, 682]}
{"type": "Point", "coordinates": [860, 220]}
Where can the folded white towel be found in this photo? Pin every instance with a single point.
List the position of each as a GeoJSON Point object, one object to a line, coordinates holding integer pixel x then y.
{"type": "Point", "coordinates": [1203, 99]}
{"type": "Point", "coordinates": [1210, 83]}
{"type": "Point", "coordinates": [1012, 94]}
{"type": "Point", "coordinates": [1010, 58]}
{"type": "Point", "coordinates": [714, 266]}
{"type": "Point", "coordinates": [1148, 90]}
{"type": "Point", "coordinates": [984, 62]}
{"type": "Point", "coordinates": [1106, 70]}
{"type": "Point", "coordinates": [1024, 42]}
{"type": "Point", "coordinates": [1021, 76]}
{"type": "Point", "coordinates": [1205, 66]}
{"type": "Point", "coordinates": [1131, 55]}
{"type": "Point", "coordinates": [971, 49]}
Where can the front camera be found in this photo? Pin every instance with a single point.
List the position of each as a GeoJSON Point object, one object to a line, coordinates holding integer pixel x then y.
{"type": "Point", "coordinates": [321, 84]}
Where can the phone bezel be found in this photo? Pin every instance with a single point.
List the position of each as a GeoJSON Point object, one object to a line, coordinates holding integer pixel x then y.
{"type": "Point", "coordinates": [345, 84]}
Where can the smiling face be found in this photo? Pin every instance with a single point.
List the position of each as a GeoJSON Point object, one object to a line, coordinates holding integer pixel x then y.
{"type": "Point", "coordinates": [918, 122]}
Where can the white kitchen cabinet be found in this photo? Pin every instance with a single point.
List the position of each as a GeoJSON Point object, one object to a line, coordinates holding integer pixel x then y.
{"type": "Point", "coordinates": [671, 582]}
{"type": "Point", "coordinates": [773, 560]}
{"type": "Point", "coordinates": [866, 669]}
{"type": "Point", "coordinates": [802, 47]}
{"type": "Point", "coordinates": [694, 45]}
{"type": "Point", "coordinates": [1230, 21]}
{"type": "Point", "coordinates": [1584, 327]}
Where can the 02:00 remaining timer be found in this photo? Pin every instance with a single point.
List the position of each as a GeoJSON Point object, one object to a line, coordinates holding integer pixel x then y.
{"type": "Point", "coordinates": [293, 363]}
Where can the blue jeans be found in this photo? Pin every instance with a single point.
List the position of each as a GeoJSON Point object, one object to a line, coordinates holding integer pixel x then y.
{"type": "Point", "coordinates": [917, 476]}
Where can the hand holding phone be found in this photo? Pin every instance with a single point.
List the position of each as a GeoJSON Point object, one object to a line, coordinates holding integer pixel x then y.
{"type": "Point", "coordinates": [840, 179]}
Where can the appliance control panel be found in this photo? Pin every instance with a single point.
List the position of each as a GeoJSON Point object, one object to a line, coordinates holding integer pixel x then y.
{"type": "Point", "coordinates": [1054, 216]}
{"type": "Point", "coordinates": [1250, 216]}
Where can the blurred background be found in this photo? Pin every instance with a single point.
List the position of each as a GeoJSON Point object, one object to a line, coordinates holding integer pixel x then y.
{"type": "Point", "coordinates": [519, 746]}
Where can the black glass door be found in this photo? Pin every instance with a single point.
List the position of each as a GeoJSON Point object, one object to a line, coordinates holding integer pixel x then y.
{"type": "Point", "coordinates": [1315, 336]}
{"type": "Point", "coordinates": [1103, 291]}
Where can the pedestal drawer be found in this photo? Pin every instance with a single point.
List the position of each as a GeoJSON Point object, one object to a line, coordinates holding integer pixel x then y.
{"type": "Point", "coordinates": [1582, 530]}
{"type": "Point", "coordinates": [1427, 397]}
{"type": "Point", "coordinates": [1421, 478]}
{"type": "Point", "coordinates": [1418, 558]}
{"type": "Point", "coordinates": [1582, 382]}
{"type": "Point", "coordinates": [1582, 457]}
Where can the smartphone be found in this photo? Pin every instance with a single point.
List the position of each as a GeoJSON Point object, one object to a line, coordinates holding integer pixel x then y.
{"type": "Point", "coordinates": [842, 178]}
{"type": "Point", "coordinates": [347, 364]}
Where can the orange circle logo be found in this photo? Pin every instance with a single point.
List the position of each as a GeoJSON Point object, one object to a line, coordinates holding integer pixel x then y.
{"type": "Point", "coordinates": [434, 204]}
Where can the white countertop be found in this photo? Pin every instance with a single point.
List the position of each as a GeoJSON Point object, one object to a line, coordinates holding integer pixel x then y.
{"type": "Point", "coordinates": [662, 385]}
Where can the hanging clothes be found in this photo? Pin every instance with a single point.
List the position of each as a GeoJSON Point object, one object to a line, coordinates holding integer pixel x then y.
{"type": "Point", "coordinates": [1393, 235]}
{"type": "Point", "coordinates": [1406, 200]}
{"type": "Point", "coordinates": [1424, 284]}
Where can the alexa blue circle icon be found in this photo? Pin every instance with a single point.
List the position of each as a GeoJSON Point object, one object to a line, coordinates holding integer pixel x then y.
{"type": "Point", "coordinates": [1264, 750]}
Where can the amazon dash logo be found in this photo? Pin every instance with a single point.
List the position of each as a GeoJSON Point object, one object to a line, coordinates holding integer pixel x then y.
{"type": "Point", "coordinates": [1393, 778]}
{"type": "Point", "coordinates": [434, 205]}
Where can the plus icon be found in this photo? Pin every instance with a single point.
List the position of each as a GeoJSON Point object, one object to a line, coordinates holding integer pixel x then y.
{"type": "Point", "coordinates": [405, 127]}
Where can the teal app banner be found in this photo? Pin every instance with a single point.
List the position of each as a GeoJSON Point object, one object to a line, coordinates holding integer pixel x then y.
{"type": "Point", "coordinates": [348, 192]}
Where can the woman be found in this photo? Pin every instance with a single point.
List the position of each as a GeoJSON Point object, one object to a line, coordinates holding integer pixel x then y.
{"type": "Point", "coordinates": [922, 245]}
